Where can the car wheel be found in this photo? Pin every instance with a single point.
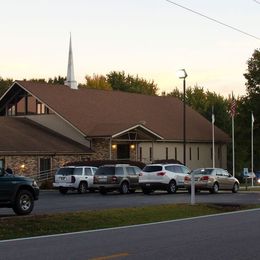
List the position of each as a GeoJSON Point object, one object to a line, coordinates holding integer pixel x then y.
{"type": "Point", "coordinates": [83, 187]}
{"type": "Point", "coordinates": [215, 188]}
{"type": "Point", "coordinates": [124, 188]}
{"type": "Point", "coordinates": [24, 203]}
{"type": "Point", "coordinates": [172, 187]}
{"type": "Point", "coordinates": [146, 191]}
{"type": "Point", "coordinates": [63, 190]}
{"type": "Point", "coordinates": [235, 188]}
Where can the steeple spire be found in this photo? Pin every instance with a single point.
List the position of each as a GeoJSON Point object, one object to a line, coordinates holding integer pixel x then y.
{"type": "Point", "coordinates": [71, 82]}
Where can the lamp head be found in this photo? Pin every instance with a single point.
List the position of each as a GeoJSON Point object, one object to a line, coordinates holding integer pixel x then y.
{"type": "Point", "coordinates": [182, 74]}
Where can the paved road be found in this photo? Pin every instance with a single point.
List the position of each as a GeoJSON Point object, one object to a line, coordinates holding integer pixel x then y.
{"type": "Point", "coordinates": [229, 236]}
{"type": "Point", "coordinates": [53, 202]}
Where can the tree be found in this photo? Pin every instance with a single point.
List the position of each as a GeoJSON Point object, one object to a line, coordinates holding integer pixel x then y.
{"type": "Point", "coordinates": [253, 74]}
{"type": "Point", "coordinates": [97, 82]}
{"type": "Point", "coordinates": [4, 85]}
{"type": "Point", "coordinates": [203, 102]}
{"type": "Point", "coordinates": [128, 83]}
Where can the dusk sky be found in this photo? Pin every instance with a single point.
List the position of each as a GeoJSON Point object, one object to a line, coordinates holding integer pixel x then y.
{"type": "Point", "coordinates": [151, 38]}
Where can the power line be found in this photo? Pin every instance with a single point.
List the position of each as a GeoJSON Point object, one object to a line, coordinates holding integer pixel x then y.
{"type": "Point", "coordinates": [214, 20]}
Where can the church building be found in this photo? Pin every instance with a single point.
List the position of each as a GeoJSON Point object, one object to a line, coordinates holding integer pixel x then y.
{"type": "Point", "coordinates": [44, 126]}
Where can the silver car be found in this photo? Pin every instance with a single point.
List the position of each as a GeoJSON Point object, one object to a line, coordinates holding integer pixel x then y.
{"type": "Point", "coordinates": [213, 180]}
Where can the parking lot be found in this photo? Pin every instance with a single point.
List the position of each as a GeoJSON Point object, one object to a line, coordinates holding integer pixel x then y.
{"type": "Point", "coordinates": [51, 201]}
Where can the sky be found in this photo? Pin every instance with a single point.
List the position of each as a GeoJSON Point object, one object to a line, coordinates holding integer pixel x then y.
{"type": "Point", "coordinates": [149, 38]}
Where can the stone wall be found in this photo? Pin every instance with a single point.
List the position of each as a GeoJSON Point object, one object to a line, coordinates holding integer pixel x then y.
{"type": "Point", "coordinates": [101, 149]}
{"type": "Point", "coordinates": [29, 165]}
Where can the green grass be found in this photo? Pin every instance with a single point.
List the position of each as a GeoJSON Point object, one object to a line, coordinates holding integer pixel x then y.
{"type": "Point", "coordinates": [36, 225]}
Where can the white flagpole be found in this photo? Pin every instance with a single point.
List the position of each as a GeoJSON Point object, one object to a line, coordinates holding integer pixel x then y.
{"type": "Point", "coordinates": [233, 145]}
{"type": "Point", "coordinates": [213, 138]}
{"type": "Point", "coordinates": [252, 147]}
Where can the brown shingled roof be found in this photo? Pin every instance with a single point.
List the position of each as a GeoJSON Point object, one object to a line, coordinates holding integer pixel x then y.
{"type": "Point", "coordinates": [21, 135]}
{"type": "Point", "coordinates": [105, 113]}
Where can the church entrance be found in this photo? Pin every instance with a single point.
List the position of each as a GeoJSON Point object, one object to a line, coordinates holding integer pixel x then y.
{"type": "Point", "coordinates": [123, 151]}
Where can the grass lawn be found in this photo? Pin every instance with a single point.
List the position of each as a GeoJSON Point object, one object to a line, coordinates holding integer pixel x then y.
{"type": "Point", "coordinates": [36, 225]}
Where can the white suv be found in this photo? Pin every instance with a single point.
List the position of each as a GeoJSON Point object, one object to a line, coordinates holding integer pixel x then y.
{"type": "Point", "coordinates": [78, 178]}
{"type": "Point", "coordinates": [167, 177]}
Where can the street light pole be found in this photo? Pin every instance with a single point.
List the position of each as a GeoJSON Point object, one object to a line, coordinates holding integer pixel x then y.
{"type": "Point", "coordinates": [183, 75]}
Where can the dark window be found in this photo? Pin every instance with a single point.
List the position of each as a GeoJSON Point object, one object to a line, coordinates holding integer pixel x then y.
{"type": "Point", "coordinates": [2, 163]}
{"type": "Point", "coordinates": [45, 168]}
{"type": "Point", "coordinates": [190, 154]}
{"type": "Point", "coordinates": [203, 171]}
{"type": "Point", "coordinates": [176, 155]}
{"type": "Point", "coordinates": [151, 154]}
{"type": "Point", "coordinates": [88, 172]}
{"type": "Point", "coordinates": [152, 168]}
{"type": "Point", "coordinates": [105, 170]}
{"type": "Point", "coordinates": [166, 153]}
{"type": "Point", "coordinates": [130, 170]}
{"type": "Point", "coordinates": [77, 171]}
{"type": "Point", "coordinates": [65, 171]}
{"type": "Point", "coordinates": [198, 153]}
{"type": "Point", "coordinates": [140, 154]}
{"type": "Point", "coordinates": [119, 171]}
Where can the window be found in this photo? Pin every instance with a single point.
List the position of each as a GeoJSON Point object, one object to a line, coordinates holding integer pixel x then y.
{"type": "Point", "coordinates": [45, 166]}
{"type": "Point", "coordinates": [2, 163]}
{"type": "Point", "coordinates": [198, 153]}
{"type": "Point", "coordinates": [166, 153]}
{"type": "Point", "coordinates": [88, 172]}
{"type": "Point", "coordinates": [176, 155]}
{"type": "Point", "coordinates": [40, 108]}
{"type": "Point", "coordinates": [77, 171]}
{"type": "Point", "coordinates": [119, 171]}
{"type": "Point", "coordinates": [130, 170]}
{"type": "Point", "coordinates": [151, 154]}
{"type": "Point", "coordinates": [140, 154]}
{"type": "Point", "coordinates": [190, 154]}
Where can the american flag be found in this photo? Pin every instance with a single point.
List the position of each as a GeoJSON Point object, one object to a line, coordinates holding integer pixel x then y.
{"type": "Point", "coordinates": [233, 107]}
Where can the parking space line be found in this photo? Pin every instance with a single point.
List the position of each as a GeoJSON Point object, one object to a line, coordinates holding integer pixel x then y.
{"type": "Point", "coordinates": [110, 256]}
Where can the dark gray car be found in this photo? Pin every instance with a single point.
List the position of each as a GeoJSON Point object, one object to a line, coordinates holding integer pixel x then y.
{"type": "Point", "coordinates": [121, 177]}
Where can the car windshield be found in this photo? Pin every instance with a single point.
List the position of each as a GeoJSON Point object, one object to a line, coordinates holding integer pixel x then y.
{"type": "Point", "coordinates": [152, 168]}
{"type": "Point", "coordinates": [106, 170]}
{"type": "Point", "coordinates": [203, 171]}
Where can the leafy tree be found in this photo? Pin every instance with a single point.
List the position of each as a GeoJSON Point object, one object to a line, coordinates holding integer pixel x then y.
{"type": "Point", "coordinates": [57, 80]}
{"type": "Point", "coordinates": [203, 102]}
{"type": "Point", "coordinates": [97, 82]}
{"type": "Point", "coordinates": [4, 85]}
{"type": "Point", "coordinates": [251, 104]}
{"type": "Point", "coordinates": [128, 83]}
{"type": "Point", "coordinates": [253, 74]}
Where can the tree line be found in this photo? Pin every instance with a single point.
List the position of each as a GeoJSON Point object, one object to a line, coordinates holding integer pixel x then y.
{"type": "Point", "coordinates": [203, 101]}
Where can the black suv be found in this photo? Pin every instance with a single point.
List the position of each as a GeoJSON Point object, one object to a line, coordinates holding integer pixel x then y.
{"type": "Point", "coordinates": [17, 192]}
{"type": "Point", "coordinates": [121, 177]}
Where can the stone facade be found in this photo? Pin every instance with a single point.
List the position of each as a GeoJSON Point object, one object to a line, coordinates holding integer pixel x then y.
{"type": "Point", "coordinates": [29, 165]}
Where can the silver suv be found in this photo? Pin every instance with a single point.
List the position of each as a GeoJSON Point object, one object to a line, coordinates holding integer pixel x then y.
{"type": "Point", "coordinates": [121, 177]}
{"type": "Point", "coordinates": [78, 178]}
{"type": "Point", "coordinates": [167, 177]}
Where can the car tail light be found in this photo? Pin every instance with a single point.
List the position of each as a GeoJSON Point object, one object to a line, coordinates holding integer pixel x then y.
{"type": "Point", "coordinates": [114, 178]}
{"type": "Point", "coordinates": [161, 173]}
{"type": "Point", "coordinates": [204, 178]}
{"type": "Point", "coordinates": [73, 179]}
{"type": "Point", "coordinates": [187, 178]}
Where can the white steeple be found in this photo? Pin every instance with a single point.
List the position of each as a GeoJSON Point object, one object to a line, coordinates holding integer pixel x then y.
{"type": "Point", "coordinates": [71, 82]}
